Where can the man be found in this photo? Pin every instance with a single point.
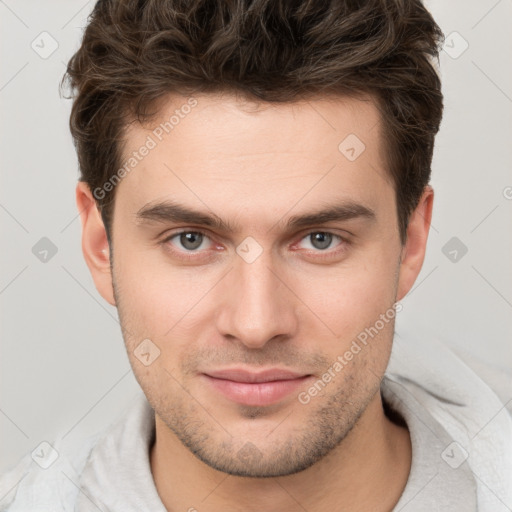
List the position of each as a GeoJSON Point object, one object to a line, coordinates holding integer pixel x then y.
{"type": "Point", "coordinates": [255, 201]}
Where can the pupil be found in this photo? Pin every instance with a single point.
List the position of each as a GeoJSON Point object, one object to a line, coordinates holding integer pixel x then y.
{"type": "Point", "coordinates": [191, 240]}
{"type": "Point", "coordinates": [321, 240]}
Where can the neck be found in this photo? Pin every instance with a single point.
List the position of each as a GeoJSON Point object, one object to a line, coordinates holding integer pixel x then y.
{"type": "Point", "coordinates": [368, 470]}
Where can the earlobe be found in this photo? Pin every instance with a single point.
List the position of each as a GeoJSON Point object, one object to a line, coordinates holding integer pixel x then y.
{"type": "Point", "coordinates": [413, 252]}
{"type": "Point", "coordinates": [95, 245]}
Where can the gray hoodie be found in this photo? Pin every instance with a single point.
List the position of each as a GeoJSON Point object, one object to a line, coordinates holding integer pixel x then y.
{"type": "Point", "coordinates": [461, 434]}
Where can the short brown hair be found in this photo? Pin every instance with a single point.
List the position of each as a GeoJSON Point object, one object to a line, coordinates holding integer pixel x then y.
{"type": "Point", "coordinates": [135, 52]}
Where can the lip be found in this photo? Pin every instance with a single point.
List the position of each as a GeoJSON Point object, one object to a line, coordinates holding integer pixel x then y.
{"type": "Point", "coordinates": [260, 388]}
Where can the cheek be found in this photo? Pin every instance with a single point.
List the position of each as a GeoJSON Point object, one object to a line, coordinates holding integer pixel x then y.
{"type": "Point", "coordinates": [351, 297]}
{"type": "Point", "coordinates": [152, 305]}
{"type": "Point", "coordinates": [156, 300]}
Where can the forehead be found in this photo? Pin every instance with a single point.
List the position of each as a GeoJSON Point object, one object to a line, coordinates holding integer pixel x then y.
{"type": "Point", "coordinates": [219, 150]}
{"type": "Point", "coordinates": [235, 123]}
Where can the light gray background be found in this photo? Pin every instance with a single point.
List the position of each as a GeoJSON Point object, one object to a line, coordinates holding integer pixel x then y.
{"type": "Point", "coordinates": [64, 370]}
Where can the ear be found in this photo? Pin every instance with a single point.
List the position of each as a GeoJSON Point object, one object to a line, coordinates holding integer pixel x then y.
{"type": "Point", "coordinates": [413, 252]}
{"type": "Point", "coordinates": [94, 242]}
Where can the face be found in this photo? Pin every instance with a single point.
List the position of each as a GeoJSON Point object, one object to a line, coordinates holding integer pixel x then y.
{"type": "Point", "coordinates": [223, 264]}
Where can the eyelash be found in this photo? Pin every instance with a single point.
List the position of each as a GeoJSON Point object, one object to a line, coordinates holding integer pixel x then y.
{"type": "Point", "coordinates": [192, 255]}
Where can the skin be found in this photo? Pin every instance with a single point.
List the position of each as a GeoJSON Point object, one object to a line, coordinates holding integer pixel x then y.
{"type": "Point", "coordinates": [297, 306]}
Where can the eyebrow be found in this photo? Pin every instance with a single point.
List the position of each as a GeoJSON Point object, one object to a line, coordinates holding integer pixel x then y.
{"type": "Point", "coordinates": [172, 211]}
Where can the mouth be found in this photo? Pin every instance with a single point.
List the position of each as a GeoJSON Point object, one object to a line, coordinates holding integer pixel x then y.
{"type": "Point", "coordinates": [251, 388]}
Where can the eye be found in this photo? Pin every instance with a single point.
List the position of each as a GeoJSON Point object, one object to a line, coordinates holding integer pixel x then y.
{"type": "Point", "coordinates": [188, 240]}
{"type": "Point", "coordinates": [320, 240]}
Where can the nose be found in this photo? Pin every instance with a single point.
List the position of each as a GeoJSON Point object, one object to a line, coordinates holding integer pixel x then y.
{"type": "Point", "coordinates": [257, 306]}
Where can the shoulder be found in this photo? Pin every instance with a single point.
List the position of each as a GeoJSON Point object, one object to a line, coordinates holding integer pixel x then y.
{"type": "Point", "coordinates": [498, 378]}
{"type": "Point", "coordinates": [45, 479]}
{"type": "Point", "coordinates": [51, 477]}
